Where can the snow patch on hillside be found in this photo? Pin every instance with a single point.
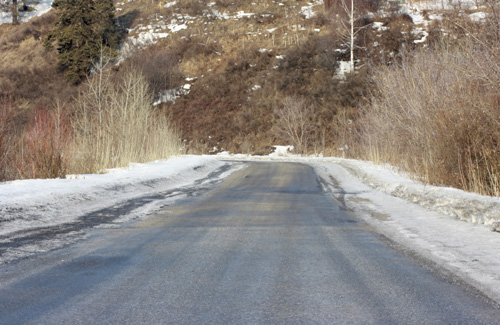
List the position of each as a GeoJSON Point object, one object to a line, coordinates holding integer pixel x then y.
{"type": "Point", "coordinates": [41, 8]}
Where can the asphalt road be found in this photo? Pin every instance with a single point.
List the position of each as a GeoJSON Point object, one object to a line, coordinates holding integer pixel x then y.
{"type": "Point", "coordinates": [265, 246]}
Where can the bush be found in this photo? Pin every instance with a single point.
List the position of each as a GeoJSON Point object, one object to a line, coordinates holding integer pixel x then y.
{"type": "Point", "coordinates": [295, 122]}
{"type": "Point", "coordinates": [44, 146]}
{"type": "Point", "coordinates": [5, 134]}
{"type": "Point", "coordinates": [159, 67]}
{"type": "Point", "coordinates": [437, 116]}
{"type": "Point", "coordinates": [115, 124]}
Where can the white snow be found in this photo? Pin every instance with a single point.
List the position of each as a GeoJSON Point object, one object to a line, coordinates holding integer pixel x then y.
{"type": "Point", "coordinates": [40, 8]}
{"type": "Point", "coordinates": [170, 4]}
{"type": "Point", "coordinates": [379, 26]}
{"type": "Point", "coordinates": [420, 32]}
{"type": "Point", "coordinates": [477, 16]}
{"type": "Point", "coordinates": [242, 14]}
{"type": "Point", "coordinates": [441, 4]}
{"type": "Point", "coordinates": [343, 68]}
{"type": "Point", "coordinates": [428, 220]}
{"type": "Point", "coordinates": [29, 204]}
{"type": "Point", "coordinates": [281, 151]}
{"type": "Point", "coordinates": [307, 12]}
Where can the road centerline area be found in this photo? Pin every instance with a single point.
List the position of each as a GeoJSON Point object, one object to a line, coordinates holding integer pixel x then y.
{"type": "Point", "coordinates": [267, 245]}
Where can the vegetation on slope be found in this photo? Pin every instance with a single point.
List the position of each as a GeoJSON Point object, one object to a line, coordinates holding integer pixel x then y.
{"type": "Point", "coordinates": [242, 76]}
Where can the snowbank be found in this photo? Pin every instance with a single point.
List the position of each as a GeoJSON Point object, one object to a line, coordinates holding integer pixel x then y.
{"type": "Point", "coordinates": [451, 202]}
{"type": "Point", "coordinates": [28, 204]}
{"type": "Point", "coordinates": [469, 251]}
{"type": "Point", "coordinates": [458, 204]}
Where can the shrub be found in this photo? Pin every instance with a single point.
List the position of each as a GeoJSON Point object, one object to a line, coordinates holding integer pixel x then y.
{"type": "Point", "coordinates": [437, 116]}
{"type": "Point", "coordinates": [44, 146]}
{"type": "Point", "coordinates": [295, 122]}
{"type": "Point", "coordinates": [158, 66]}
{"type": "Point", "coordinates": [115, 124]}
{"type": "Point", "coordinates": [5, 134]}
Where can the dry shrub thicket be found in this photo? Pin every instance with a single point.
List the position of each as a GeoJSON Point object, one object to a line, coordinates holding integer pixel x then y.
{"type": "Point", "coordinates": [295, 122]}
{"type": "Point", "coordinates": [433, 112]}
{"type": "Point", "coordinates": [43, 150]}
{"type": "Point", "coordinates": [437, 115]}
{"type": "Point", "coordinates": [115, 124]}
{"type": "Point", "coordinates": [5, 134]}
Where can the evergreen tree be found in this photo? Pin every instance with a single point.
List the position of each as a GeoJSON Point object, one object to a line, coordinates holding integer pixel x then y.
{"type": "Point", "coordinates": [84, 31]}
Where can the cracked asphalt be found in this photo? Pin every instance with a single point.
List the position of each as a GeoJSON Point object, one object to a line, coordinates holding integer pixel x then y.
{"type": "Point", "coordinates": [267, 246]}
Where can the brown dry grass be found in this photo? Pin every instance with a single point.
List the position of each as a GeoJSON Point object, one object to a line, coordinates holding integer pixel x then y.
{"type": "Point", "coordinates": [437, 116]}
{"type": "Point", "coordinates": [115, 124]}
{"type": "Point", "coordinates": [27, 72]}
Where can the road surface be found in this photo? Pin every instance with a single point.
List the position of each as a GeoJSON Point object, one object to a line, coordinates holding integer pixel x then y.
{"type": "Point", "coordinates": [265, 246]}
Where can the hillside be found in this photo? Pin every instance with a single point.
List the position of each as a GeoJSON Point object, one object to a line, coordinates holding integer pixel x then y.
{"type": "Point", "coordinates": [228, 64]}
{"type": "Point", "coordinates": [243, 76]}
{"type": "Point", "coordinates": [233, 63]}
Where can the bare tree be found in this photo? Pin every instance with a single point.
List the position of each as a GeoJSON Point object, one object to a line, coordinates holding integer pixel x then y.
{"type": "Point", "coordinates": [295, 122]}
{"type": "Point", "coordinates": [349, 10]}
{"type": "Point", "coordinates": [348, 13]}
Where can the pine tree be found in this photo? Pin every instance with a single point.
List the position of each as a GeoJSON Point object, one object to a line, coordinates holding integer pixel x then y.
{"type": "Point", "coordinates": [84, 31]}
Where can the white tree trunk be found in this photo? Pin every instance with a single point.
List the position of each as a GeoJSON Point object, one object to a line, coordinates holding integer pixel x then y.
{"type": "Point", "coordinates": [351, 22]}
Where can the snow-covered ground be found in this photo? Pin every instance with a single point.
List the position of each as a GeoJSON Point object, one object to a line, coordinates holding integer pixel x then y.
{"type": "Point", "coordinates": [31, 207]}
{"type": "Point", "coordinates": [450, 227]}
{"type": "Point", "coordinates": [424, 219]}
{"type": "Point", "coordinates": [42, 7]}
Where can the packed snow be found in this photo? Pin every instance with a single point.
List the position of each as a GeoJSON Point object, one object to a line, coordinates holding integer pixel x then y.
{"type": "Point", "coordinates": [26, 206]}
{"type": "Point", "coordinates": [450, 227]}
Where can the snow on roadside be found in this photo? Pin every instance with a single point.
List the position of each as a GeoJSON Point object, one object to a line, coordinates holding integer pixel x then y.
{"type": "Point", "coordinates": [28, 204]}
{"type": "Point", "coordinates": [429, 220]}
{"type": "Point", "coordinates": [465, 249]}
{"type": "Point", "coordinates": [464, 206]}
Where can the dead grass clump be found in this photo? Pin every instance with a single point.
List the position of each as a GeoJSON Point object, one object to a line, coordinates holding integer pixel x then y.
{"type": "Point", "coordinates": [192, 7]}
{"type": "Point", "coordinates": [27, 71]}
{"type": "Point", "coordinates": [36, 28]}
{"type": "Point", "coordinates": [437, 116]}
